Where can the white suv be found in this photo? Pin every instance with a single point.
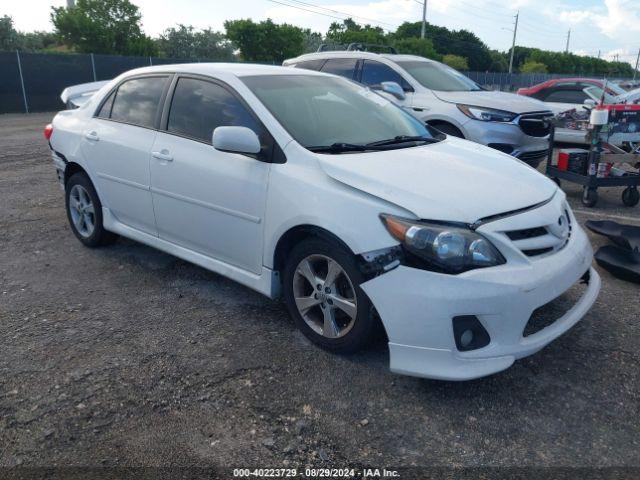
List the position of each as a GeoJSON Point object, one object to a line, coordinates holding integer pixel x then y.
{"type": "Point", "coordinates": [445, 98]}
{"type": "Point", "coordinates": [301, 183]}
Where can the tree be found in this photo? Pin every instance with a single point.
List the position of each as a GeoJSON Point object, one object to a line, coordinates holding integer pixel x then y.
{"type": "Point", "coordinates": [351, 32]}
{"type": "Point", "coordinates": [456, 42]}
{"type": "Point", "coordinates": [456, 61]}
{"type": "Point", "coordinates": [186, 42]}
{"type": "Point", "coordinates": [312, 40]}
{"type": "Point", "coordinates": [265, 41]}
{"type": "Point", "coordinates": [531, 66]}
{"type": "Point", "coordinates": [102, 26]}
{"type": "Point", "coordinates": [8, 34]}
{"type": "Point", "coordinates": [417, 46]}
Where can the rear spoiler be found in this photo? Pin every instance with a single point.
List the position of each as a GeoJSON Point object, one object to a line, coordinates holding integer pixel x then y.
{"type": "Point", "coordinates": [78, 95]}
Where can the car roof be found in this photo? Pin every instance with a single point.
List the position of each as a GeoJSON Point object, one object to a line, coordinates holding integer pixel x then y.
{"type": "Point", "coordinates": [357, 54]}
{"type": "Point", "coordinates": [554, 81]}
{"type": "Point", "coordinates": [214, 69]}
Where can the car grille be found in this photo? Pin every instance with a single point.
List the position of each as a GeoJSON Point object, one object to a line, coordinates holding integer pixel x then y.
{"type": "Point", "coordinates": [534, 155]}
{"type": "Point", "coordinates": [536, 124]}
{"type": "Point", "coordinates": [541, 240]}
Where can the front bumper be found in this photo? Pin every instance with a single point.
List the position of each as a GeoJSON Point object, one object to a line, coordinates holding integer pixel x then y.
{"type": "Point", "coordinates": [507, 137]}
{"type": "Point", "coordinates": [417, 308]}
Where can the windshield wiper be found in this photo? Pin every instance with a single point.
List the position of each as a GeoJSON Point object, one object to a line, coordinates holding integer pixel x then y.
{"type": "Point", "coordinates": [340, 147]}
{"type": "Point", "coordinates": [403, 139]}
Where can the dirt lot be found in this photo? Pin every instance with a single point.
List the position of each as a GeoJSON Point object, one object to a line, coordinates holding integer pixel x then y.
{"type": "Point", "coordinates": [126, 356]}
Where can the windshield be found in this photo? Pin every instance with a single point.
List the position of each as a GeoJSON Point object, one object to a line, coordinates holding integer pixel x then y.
{"type": "Point", "coordinates": [596, 93]}
{"type": "Point", "coordinates": [615, 88]}
{"type": "Point", "coordinates": [323, 111]}
{"type": "Point", "coordinates": [437, 76]}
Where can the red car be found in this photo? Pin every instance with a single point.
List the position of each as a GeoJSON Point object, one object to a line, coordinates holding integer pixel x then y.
{"type": "Point", "coordinates": [567, 90]}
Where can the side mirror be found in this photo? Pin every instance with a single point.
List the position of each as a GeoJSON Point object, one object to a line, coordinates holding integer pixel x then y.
{"type": "Point", "coordinates": [590, 104]}
{"type": "Point", "coordinates": [393, 88]}
{"type": "Point", "coordinates": [236, 140]}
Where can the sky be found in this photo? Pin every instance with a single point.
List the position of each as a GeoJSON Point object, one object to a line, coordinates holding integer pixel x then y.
{"type": "Point", "coordinates": [611, 26]}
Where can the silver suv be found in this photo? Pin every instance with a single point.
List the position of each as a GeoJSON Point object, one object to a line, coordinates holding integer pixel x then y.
{"type": "Point", "coordinates": [446, 99]}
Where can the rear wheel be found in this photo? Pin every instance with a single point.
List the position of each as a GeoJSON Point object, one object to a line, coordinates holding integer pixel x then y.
{"type": "Point", "coordinates": [322, 292]}
{"type": "Point", "coordinates": [84, 212]}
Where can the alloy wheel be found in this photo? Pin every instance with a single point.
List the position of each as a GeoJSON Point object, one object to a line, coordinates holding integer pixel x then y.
{"type": "Point", "coordinates": [325, 296]}
{"type": "Point", "coordinates": [82, 211]}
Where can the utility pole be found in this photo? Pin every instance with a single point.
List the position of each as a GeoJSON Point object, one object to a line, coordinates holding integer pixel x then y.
{"type": "Point", "coordinates": [598, 54]}
{"type": "Point", "coordinates": [513, 43]}
{"type": "Point", "coordinates": [635, 70]}
{"type": "Point", "coordinates": [71, 4]}
{"type": "Point", "coordinates": [566, 49]}
{"type": "Point", "coordinates": [424, 19]}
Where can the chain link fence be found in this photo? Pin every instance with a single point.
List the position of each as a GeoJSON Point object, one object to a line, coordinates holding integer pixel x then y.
{"type": "Point", "coordinates": [32, 82]}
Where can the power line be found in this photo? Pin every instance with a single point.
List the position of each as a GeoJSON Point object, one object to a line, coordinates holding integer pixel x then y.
{"type": "Point", "coordinates": [345, 15]}
{"type": "Point", "coordinates": [342, 13]}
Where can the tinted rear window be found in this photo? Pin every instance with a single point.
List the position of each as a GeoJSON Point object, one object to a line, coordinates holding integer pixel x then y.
{"type": "Point", "coordinates": [345, 67]}
{"type": "Point", "coordinates": [311, 64]}
{"type": "Point", "coordinates": [137, 101]}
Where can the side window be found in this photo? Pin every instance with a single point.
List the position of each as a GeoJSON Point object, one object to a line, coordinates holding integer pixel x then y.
{"type": "Point", "coordinates": [105, 110]}
{"type": "Point", "coordinates": [311, 64]}
{"type": "Point", "coordinates": [566, 96]}
{"type": "Point", "coordinates": [374, 73]}
{"type": "Point", "coordinates": [198, 107]}
{"type": "Point", "coordinates": [345, 67]}
{"type": "Point", "coordinates": [137, 100]}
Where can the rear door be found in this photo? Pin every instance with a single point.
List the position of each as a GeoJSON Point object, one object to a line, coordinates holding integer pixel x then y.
{"type": "Point", "coordinates": [209, 201]}
{"type": "Point", "coordinates": [117, 145]}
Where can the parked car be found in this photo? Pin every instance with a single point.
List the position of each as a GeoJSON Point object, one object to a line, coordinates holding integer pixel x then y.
{"type": "Point", "coordinates": [305, 184]}
{"type": "Point", "coordinates": [565, 94]}
{"type": "Point", "coordinates": [445, 98]}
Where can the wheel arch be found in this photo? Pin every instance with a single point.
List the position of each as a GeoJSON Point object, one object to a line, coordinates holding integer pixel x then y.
{"type": "Point", "coordinates": [297, 234]}
{"type": "Point", "coordinates": [436, 122]}
{"type": "Point", "coordinates": [71, 169]}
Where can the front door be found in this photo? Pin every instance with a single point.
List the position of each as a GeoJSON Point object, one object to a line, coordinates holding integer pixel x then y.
{"type": "Point", "coordinates": [209, 201]}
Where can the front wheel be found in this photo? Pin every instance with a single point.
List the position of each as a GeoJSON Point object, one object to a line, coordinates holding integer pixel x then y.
{"type": "Point", "coordinates": [322, 292]}
{"type": "Point", "coordinates": [84, 212]}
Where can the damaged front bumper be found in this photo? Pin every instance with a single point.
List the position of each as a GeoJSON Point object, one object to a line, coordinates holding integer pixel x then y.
{"type": "Point", "coordinates": [417, 308]}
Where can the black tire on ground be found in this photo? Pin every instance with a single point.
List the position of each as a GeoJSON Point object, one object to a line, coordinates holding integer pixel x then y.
{"type": "Point", "coordinates": [447, 129]}
{"type": "Point", "coordinates": [366, 326]}
{"type": "Point", "coordinates": [100, 236]}
{"type": "Point", "coordinates": [630, 196]}
{"type": "Point", "coordinates": [589, 197]}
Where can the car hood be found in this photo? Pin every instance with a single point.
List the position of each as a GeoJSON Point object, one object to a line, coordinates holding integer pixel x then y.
{"type": "Point", "coordinates": [453, 180]}
{"type": "Point", "coordinates": [509, 102]}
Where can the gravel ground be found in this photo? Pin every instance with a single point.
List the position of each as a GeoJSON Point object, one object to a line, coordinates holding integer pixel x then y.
{"type": "Point", "coordinates": [125, 356]}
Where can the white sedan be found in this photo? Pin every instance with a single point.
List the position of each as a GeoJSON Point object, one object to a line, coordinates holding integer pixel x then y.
{"type": "Point", "coordinates": [306, 185]}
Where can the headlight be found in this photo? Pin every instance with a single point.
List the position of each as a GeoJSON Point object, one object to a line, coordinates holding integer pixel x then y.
{"type": "Point", "coordinates": [486, 114]}
{"type": "Point", "coordinates": [445, 247]}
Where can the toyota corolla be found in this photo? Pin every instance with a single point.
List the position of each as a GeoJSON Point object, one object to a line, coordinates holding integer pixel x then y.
{"type": "Point", "coordinates": [307, 186]}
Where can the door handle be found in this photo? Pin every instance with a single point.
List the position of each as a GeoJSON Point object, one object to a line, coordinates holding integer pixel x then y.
{"type": "Point", "coordinates": [162, 155]}
{"type": "Point", "coordinates": [92, 136]}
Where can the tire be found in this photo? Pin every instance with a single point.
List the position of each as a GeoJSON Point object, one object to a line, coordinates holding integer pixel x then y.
{"type": "Point", "coordinates": [347, 334]}
{"type": "Point", "coordinates": [84, 212]}
{"type": "Point", "coordinates": [557, 181]}
{"type": "Point", "coordinates": [630, 196]}
{"type": "Point", "coordinates": [589, 197]}
{"type": "Point", "coordinates": [447, 129]}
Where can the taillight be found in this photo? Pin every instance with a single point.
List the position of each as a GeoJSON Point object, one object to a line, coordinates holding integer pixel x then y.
{"type": "Point", "coordinates": [48, 131]}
